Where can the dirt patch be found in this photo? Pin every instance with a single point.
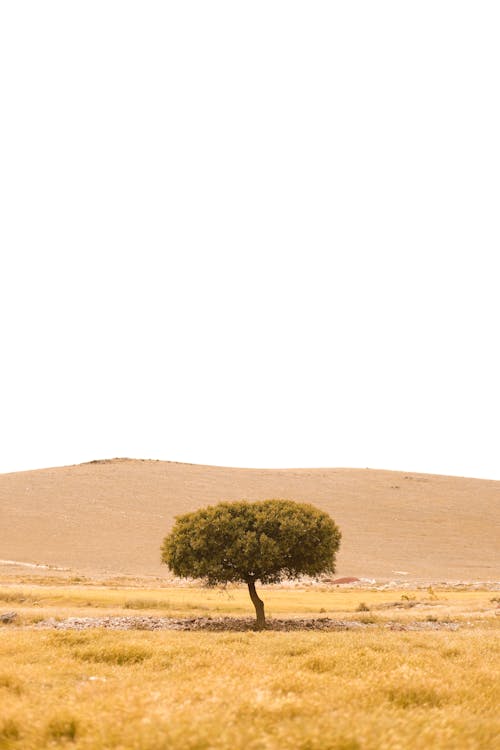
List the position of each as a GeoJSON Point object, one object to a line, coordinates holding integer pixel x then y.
{"type": "Point", "coordinates": [220, 624]}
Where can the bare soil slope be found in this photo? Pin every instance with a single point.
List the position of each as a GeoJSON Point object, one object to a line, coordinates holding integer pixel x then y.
{"type": "Point", "coordinates": [110, 516]}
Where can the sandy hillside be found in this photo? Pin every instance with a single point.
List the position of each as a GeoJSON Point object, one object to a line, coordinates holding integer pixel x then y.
{"type": "Point", "coordinates": [110, 516]}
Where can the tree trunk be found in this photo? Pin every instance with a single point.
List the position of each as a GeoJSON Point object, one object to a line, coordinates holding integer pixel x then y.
{"type": "Point", "coordinates": [258, 604]}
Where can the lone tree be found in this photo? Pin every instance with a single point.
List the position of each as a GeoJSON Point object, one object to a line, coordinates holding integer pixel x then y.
{"type": "Point", "coordinates": [266, 541]}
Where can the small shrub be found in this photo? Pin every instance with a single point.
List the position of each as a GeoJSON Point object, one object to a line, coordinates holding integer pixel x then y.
{"type": "Point", "coordinates": [11, 596]}
{"type": "Point", "coordinates": [362, 607]}
{"type": "Point", "coordinates": [295, 651]}
{"type": "Point", "coordinates": [18, 597]}
{"type": "Point", "coordinates": [9, 731]}
{"type": "Point", "coordinates": [10, 683]}
{"type": "Point", "coordinates": [409, 697]}
{"type": "Point", "coordinates": [68, 637]}
{"type": "Point", "coordinates": [33, 619]}
{"type": "Point", "coordinates": [146, 604]}
{"type": "Point", "coordinates": [62, 729]}
{"type": "Point", "coordinates": [445, 620]}
{"type": "Point", "coordinates": [368, 619]}
{"type": "Point", "coordinates": [406, 604]}
{"type": "Point", "coordinates": [316, 664]}
{"type": "Point", "coordinates": [114, 654]}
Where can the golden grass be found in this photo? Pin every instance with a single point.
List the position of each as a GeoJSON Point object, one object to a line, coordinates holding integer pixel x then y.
{"type": "Point", "coordinates": [35, 602]}
{"type": "Point", "coordinates": [375, 690]}
{"type": "Point", "coordinates": [372, 689]}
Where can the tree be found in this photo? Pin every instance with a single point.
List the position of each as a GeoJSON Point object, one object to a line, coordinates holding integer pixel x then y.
{"type": "Point", "coordinates": [266, 541]}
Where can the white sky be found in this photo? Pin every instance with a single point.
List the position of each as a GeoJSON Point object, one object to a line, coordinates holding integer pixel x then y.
{"type": "Point", "coordinates": [251, 233]}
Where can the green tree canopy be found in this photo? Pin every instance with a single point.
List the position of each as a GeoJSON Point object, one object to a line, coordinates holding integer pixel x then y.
{"type": "Point", "coordinates": [266, 541]}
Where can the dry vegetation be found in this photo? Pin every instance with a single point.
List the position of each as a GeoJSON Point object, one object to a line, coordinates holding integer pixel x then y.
{"type": "Point", "coordinates": [34, 602]}
{"type": "Point", "coordinates": [186, 690]}
{"type": "Point", "coordinates": [373, 688]}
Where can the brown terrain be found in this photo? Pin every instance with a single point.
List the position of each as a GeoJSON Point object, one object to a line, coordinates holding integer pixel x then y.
{"type": "Point", "coordinates": [109, 517]}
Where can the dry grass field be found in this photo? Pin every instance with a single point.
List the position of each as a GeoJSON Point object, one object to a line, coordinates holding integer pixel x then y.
{"type": "Point", "coordinates": [109, 517]}
{"type": "Point", "coordinates": [380, 686]}
{"type": "Point", "coordinates": [88, 658]}
{"type": "Point", "coordinates": [35, 601]}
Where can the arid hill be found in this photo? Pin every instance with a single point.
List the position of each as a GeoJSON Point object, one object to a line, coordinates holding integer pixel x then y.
{"type": "Point", "coordinates": [110, 516]}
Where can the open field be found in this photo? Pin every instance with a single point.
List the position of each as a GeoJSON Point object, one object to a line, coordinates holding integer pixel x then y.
{"type": "Point", "coordinates": [373, 688]}
{"type": "Point", "coordinates": [34, 602]}
{"type": "Point", "coordinates": [108, 518]}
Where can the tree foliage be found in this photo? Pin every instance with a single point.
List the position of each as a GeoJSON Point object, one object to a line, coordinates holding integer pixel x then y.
{"type": "Point", "coordinates": [266, 541]}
